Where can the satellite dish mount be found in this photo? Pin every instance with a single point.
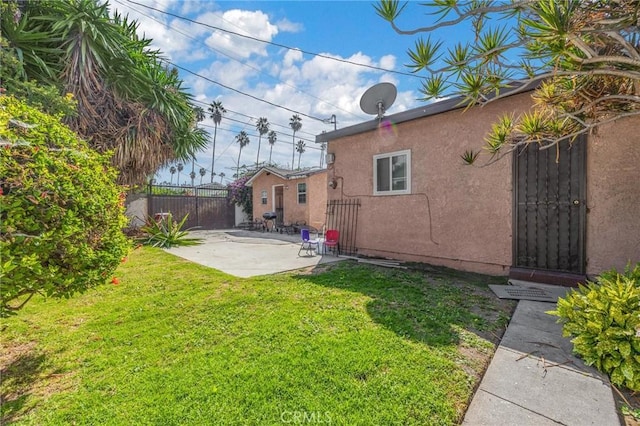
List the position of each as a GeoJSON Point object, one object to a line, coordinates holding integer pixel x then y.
{"type": "Point", "coordinates": [377, 99]}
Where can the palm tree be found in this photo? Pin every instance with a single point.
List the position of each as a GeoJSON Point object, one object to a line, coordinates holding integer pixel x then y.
{"type": "Point", "coordinates": [203, 172]}
{"type": "Point", "coordinates": [272, 137]}
{"type": "Point", "coordinates": [199, 116]}
{"type": "Point", "coordinates": [180, 168]}
{"type": "Point", "coordinates": [221, 176]}
{"type": "Point", "coordinates": [144, 119]}
{"type": "Point", "coordinates": [262, 127]}
{"type": "Point", "coordinates": [323, 148]}
{"type": "Point", "coordinates": [216, 109]}
{"type": "Point", "coordinates": [243, 140]}
{"type": "Point", "coordinates": [296, 124]}
{"type": "Point", "coordinates": [300, 148]}
{"type": "Point", "coordinates": [172, 170]}
{"type": "Point", "coordinates": [192, 175]}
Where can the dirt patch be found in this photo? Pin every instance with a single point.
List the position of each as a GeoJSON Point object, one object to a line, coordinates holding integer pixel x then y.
{"type": "Point", "coordinates": [628, 405]}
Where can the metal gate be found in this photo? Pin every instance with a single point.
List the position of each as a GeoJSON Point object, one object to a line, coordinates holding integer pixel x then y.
{"type": "Point", "coordinates": [207, 208]}
{"type": "Point", "coordinates": [343, 216]}
{"type": "Point", "coordinates": [550, 207]}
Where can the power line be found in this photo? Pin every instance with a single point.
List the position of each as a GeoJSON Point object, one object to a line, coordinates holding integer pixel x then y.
{"type": "Point", "coordinates": [293, 142]}
{"type": "Point", "coordinates": [312, 135]}
{"type": "Point", "coordinates": [275, 44]}
{"type": "Point", "coordinates": [241, 92]}
{"type": "Point", "coordinates": [239, 61]}
{"type": "Point", "coordinates": [224, 129]}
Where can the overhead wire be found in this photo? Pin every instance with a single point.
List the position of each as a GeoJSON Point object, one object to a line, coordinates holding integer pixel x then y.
{"type": "Point", "coordinates": [274, 43]}
{"type": "Point", "coordinates": [251, 118]}
{"type": "Point", "coordinates": [257, 135]}
{"type": "Point", "coordinates": [237, 60]}
{"type": "Point", "coordinates": [292, 142]}
{"type": "Point", "coordinates": [241, 92]}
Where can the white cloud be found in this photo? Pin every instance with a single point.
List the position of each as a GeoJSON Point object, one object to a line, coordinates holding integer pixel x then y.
{"type": "Point", "coordinates": [312, 85]}
{"type": "Point", "coordinates": [174, 37]}
{"type": "Point", "coordinates": [188, 7]}
{"type": "Point", "coordinates": [292, 55]}
{"type": "Point", "coordinates": [285, 25]}
{"type": "Point", "coordinates": [388, 62]}
{"type": "Point", "coordinates": [251, 23]}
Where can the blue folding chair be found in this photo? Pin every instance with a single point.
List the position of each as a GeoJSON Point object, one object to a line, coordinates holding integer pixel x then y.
{"type": "Point", "coordinates": [308, 244]}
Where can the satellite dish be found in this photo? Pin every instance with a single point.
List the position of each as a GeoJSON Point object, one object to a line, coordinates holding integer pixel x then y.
{"type": "Point", "coordinates": [377, 99]}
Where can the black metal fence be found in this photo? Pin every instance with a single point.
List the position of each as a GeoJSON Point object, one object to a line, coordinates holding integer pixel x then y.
{"type": "Point", "coordinates": [208, 208]}
{"type": "Point", "coordinates": [343, 216]}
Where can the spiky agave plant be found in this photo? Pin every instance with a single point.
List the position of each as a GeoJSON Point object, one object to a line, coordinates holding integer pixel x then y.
{"type": "Point", "coordinates": [167, 233]}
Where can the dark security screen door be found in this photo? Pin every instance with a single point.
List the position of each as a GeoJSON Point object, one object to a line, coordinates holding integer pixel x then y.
{"type": "Point", "coordinates": [550, 208]}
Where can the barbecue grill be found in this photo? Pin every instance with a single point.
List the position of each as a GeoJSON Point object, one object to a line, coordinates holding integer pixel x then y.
{"type": "Point", "coordinates": [269, 216]}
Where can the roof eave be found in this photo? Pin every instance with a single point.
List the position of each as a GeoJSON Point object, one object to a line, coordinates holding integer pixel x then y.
{"type": "Point", "coordinates": [263, 170]}
{"type": "Point", "coordinates": [421, 112]}
{"type": "Point", "coordinates": [298, 174]}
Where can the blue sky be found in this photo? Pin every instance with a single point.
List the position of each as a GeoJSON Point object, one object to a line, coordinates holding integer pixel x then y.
{"type": "Point", "coordinates": [314, 87]}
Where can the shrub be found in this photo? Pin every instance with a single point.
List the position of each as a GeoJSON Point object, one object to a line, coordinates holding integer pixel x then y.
{"type": "Point", "coordinates": [604, 318]}
{"type": "Point", "coordinates": [61, 213]}
{"type": "Point", "coordinates": [242, 195]}
{"type": "Point", "coordinates": [166, 233]}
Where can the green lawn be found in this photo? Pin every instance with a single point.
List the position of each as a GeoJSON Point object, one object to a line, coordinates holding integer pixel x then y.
{"type": "Point", "coordinates": [176, 343]}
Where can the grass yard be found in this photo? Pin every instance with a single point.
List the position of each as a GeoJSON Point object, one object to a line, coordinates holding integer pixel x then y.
{"type": "Point", "coordinates": [176, 343]}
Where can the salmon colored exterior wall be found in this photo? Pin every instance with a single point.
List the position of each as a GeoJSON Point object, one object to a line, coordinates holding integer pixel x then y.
{"type": "Point", "coordinates": [264, 183]}
{"type": "Point", "coordinates": [461, 216]}
{"type": "Point", "coordinates": [613, 196]}
{"type": "Point", "coordinates": [293, 211]}
{"type": "Point", "coordinates": [317, 199]}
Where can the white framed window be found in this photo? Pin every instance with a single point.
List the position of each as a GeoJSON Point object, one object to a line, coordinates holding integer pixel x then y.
{"type": "Point", "coordinates": [263, 196]}
{"type": "Point", "coordinates": [302, 193]}
{"type": "Point", "coordinates": [392, 173]}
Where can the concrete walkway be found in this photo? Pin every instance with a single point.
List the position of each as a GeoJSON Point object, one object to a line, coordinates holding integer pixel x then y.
{"type": "Point", "coordinates": [249, 253]}
{"type": "Point", "coordinates": [534, 379]}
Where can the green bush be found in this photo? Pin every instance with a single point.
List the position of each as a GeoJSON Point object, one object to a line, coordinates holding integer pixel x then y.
{"type": "Point", "coordinates": [604, 320]}
{"type": "Point", "coordinates": [166, 233]}
{"type": "Point", "coordinates": [61, 213]}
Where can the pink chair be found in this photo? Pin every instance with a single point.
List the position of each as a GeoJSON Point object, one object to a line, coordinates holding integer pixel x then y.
{"type": "Point", "coordinates": [331, 238]}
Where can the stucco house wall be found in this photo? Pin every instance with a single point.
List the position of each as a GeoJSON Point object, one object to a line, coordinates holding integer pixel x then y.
{"type": "Point", "coordinates": [461, 216]}
{"type": "Point", "coordinates": [317, 199]}
{"type": "Point", "coordinates": [294, 211]}
{"type": "Point", "coordinates": [613, 196]}
{"type": "Point", "coordinates": [456, 215]}
{"type": "Point", "coordinates": [264, 182]}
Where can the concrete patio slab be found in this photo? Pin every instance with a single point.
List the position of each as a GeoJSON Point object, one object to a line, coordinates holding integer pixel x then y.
{"type": "Point", "coordinates": [249, 253]}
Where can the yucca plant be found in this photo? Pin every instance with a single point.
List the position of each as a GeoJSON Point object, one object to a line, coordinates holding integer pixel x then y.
{"type": "Point", "coordinates": [579, 59]}
{"type": "Point", "coordinates": [167, 233]}
{"type": "Point", "coordinates": [469, 157]}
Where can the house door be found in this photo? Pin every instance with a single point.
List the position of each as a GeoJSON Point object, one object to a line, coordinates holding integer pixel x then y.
{"type": "Point", "coordinates": [550, 208]}
{"type": "Point", "coordinates": [278, 194]}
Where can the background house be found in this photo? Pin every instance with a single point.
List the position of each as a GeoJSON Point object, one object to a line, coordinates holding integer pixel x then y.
{"type": "Point", "coordinates": [526, 214]}
{"type": "Point", "coordinates": [296, 196]}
